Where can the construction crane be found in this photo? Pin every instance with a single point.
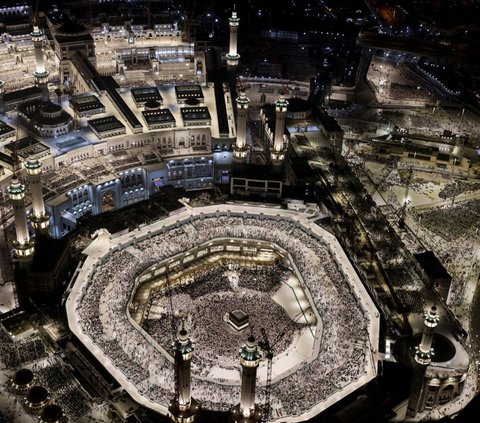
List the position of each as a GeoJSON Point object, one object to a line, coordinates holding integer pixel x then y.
{"type": "Point", "coordinates": [149, 14]}
{"type": "Point", "coordinates": [6, 258]}
{"type": "Point", "coordinates": [170, 304]}
{"type": "Point", "coordinates": [266, 50]}
{"type": "Point", "coordinates": [5, 215]}
{"type": "Point", "coordinates": [177, 354]}
{"type": "Point", "coordinates": [16, 166]}
{"type": "Point", "coordinates": [389, 166]}
{"type": "Point", "coordinates": [90, 11]}
{"type": "Point", "coordinates": [401, 212]}
{"type": "Point", "coordinates": [265, 345]}
{"type": "Point", "coordinates": [35, 13]}
{"type": "Point", "coordinates": [349, 150]}
{"type": "Point", "coordinates": [188, 22]}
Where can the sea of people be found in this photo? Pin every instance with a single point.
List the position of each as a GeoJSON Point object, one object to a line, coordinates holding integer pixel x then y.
{"type": "Point", "coordinates": [62, 386]}
{"type": "Point", "coordinates": [102, 318]}
{"type": "Point", "coordinates": [397, 84]}
{"type": "Point", "coordinates": [404, 284]}
{"type": "Point", "coordinates": [219, 287]}
{"type": "Point", "coordinates": [454, 240]}
{"type": "Point", "coordinates": [444, 222]}
{"type": "Point", "coordinates": [455, 188]}
{"type": "Point", "coordinates": [15, 354]}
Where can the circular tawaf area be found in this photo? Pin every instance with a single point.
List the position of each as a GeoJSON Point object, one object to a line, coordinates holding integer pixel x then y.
{"type": "Point", "coordinates": [203, 307]}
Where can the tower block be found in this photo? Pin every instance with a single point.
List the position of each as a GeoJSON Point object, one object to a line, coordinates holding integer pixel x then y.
{"type": "Point", "coordinates": [40, 218]}
{"type": "Point", "coordinates": [240, 149]}
{"type": "Point", "coordinates": [423, 357]}
{"type": "Point", "coordinates": [24, 246]}
{"type": "Point", "coordinates": [232, 55]}
{"type": "Point", "coordinates": [278, 152]}
{"type": "Point", "coordinates": [41, 73]}
{"type": "Point", "coordinates": [183, 408]}
{"type": "Point", "coordinates": [247, 411]}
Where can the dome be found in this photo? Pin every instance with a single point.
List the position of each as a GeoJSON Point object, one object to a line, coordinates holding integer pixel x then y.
{"type": "Point", "coordinates": [51, 108]}
{"type": "Point", "coordinates": [192, 102]}
{"type": "Point", "coordinates": [184, 343]}
{"type": "Point", "coordinates": [70, 27]}
{"type": "Point", "coordinates": [37, 395]}
{"type": "Point", "coordinates": [32, 163]}
{"type": "Point", "coordinates": [16, 187]}
{"type": "Point", "coordinates": [52, 413]}
{"type": "Point", "coordinates": [298, 105]}
{"type": "Point", "coordinates": [183, 335]}
{"type": "Point", "coordinates": [152, 104]}
{"type": "Point", "coordinates": [251, 342]}
{"type": "Point", "coordinates": [23, 377]}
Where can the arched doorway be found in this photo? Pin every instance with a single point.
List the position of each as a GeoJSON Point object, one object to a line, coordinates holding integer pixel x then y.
{"type": "Point", "coordinates": [446, 394]}
{"type": "Point", "coordinates": [108, 201]}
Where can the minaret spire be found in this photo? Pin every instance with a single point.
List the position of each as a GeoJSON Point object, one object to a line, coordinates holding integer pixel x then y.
{"type": "Point", "coordinates": [241, 148]}
{"type": "Point", "coordinates": [247, 411]}
{"type": "Point", "coordinates": [24, 246]}
{"type": "Point", "coordinates": [233, 22]}
{"type": "Point", "coordinates": [424, 352]}
{"type": "Point", "coordinates": [183, 408]}
{"type": "Point", "coordinates": [39, 217]}
{"type": "Point", "coordinates": [41, 73]}
{"type": "Point", "coordinates": [278, 152]}
{"type": "Point", "coordinates": [422, 358]}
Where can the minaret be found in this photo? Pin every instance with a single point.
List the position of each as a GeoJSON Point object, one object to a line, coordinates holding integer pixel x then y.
{"type": "Point", "coordinates": [41, 73]}
{"type": "Point", "coordinates": [424, 352]}
{"type": "Point", "coordinates": [247, 411]}
{"type": "Point", "coordinates": [39, 218]}
{"type": "Point", "coordinates": [240, 149]}
{"type": "Point", "coordinates": [233, 22]}
{"type": "Point", "coordinates": [183, 408]}
{"type": "Point", "coordinates": [423, 357]}
{"type": "Point", "coordinates": [278, 151]}
{"type": "Point", "coordinates": [24, 246]}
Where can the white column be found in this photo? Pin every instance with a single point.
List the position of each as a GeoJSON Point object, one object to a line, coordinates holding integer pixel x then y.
{"type": "Point", "coordinates": [37, 37]}
{"type": "Point", "coordinates": [40, 218]}
{"type": "Point", "coordinates": [249, 359]}
{"type": "Point", "coordinates": [21, 228]}
{"type": "Point", "coordinates": [24, 246]}
{"type": "Point", "coordinates": [240, 149]}
{"type": "Point", "coordinates": [242, 113]}
{"type": "Point", "coordinates": [424, 351]}
{"type": "Point", "coordinates": [35, 185]}
{"type": "Point", "coordinates": [233, 56]}
{"type": "Point", "coordinates": [232, 51]}
{"type": "Point", "coordinates": [280, 114]}
{"type": "Point", "coordinates": [184, 350]}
